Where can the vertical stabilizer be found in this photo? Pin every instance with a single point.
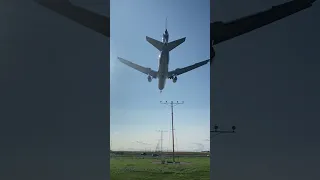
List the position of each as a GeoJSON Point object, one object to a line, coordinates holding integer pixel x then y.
{"type": "Point", "coordinates": [165, 41]}
{"type": "Point", "coordinates": [165, 36]}
{"type": "Point", "coordinates": [166, 23]}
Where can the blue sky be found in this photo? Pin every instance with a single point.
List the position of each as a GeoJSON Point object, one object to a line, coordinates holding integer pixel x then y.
{"type": "Point", "coordinates": [136, 112]}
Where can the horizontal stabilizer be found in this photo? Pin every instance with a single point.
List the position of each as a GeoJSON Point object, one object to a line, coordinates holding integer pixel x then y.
{"type": "Point", "coordinates": [157, 44]}
{"type": "Point", "coordinates": [176, 43]}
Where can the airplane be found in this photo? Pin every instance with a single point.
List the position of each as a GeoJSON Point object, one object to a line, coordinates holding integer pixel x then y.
{"type": "Point", "coordinates": [89, 19]}
{"type": "Point", "coordinates": [163, 69]}
{"type": "Point", "coordinates": [223, 31]}
{"type": "Point", "coordinates": [219, 31]}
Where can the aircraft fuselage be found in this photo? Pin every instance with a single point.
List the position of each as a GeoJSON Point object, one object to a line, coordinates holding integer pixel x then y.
{"type": "Point", "coordinates": [163, 68]}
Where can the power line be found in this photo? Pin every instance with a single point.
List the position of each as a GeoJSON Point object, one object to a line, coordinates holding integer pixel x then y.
{"type": "Point", "coordinates": [172, 104]}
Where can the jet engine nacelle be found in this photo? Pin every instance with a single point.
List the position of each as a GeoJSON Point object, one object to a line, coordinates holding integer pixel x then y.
{"type": "Point", "coordinates": [174, 79]}
{"type": "Point", "coordinates": [149, 78]}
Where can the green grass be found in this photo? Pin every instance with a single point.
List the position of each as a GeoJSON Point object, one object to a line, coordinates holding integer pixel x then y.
{"type": "Point", "coordinates": [131, 168]}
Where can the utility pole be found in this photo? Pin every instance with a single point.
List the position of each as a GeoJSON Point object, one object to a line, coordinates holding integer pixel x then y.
{"type": "Point", "coordinates": [172, 104]}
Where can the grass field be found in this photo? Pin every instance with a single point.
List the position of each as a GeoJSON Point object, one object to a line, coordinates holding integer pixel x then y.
{"type": "Point", "coordinates": [137, 168]}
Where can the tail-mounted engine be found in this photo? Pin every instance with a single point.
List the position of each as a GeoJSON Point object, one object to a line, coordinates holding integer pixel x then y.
{"type": "Point", "coordinates": [149, 78]}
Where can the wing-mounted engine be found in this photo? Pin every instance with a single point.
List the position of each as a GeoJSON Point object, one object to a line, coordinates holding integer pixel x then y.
{"type": "Point", "coordinates": [174, 79]}
{"type": "Point", "coordinates": [174, 76]}
{"type": "Point", "coordinates": [149, 78]}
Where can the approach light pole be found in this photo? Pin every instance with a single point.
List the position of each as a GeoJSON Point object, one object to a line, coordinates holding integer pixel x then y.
{"type": "Point", "coordinates": [172, 104]}
{"type": "Point", "coordinates": [217, 131]}
{"type": "Point", "coordinates": [161, 139]}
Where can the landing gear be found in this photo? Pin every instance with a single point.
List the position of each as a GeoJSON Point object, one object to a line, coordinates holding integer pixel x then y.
{"type": "Point", "coordinates": [160, 91]}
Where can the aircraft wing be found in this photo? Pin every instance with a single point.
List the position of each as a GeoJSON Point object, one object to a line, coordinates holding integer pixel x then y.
{"type": "Point", "coordinates": [221, 31]}
{"type": "Point", "coordinates": [137, 67]}
{"type": "Point", "coordinates": [89, 19]}
{"type": "Point", "coordinates": [180, 71]}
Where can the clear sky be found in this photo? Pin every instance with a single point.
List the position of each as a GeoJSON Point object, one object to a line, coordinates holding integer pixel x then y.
{"type": "Point", "coordinates": [136, 112]}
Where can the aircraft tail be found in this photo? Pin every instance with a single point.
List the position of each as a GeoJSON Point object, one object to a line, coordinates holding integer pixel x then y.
{"type": "Point", "coordinates": [176, 43]}
{"type": "Point", "coordinates": [159, 45]}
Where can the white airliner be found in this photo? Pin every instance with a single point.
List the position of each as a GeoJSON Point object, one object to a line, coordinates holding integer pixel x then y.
{"type": "Point", "coordinates": [163, 70]}
{"type": "Point", "coordinates": [219, 31]}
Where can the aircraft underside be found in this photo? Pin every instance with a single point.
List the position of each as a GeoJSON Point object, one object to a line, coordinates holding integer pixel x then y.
{"type": "Point", "coordinates": [219, 31]}
{"type": "Point", "coordinates": [161, 83]}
